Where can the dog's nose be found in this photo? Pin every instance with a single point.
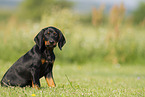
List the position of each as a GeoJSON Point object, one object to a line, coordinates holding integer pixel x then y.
{"type": "Point", "coordinates": [51, 42]}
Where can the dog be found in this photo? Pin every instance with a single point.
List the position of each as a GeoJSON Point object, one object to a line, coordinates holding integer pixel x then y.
{"type": "Point", "coordinates": [37, 62]}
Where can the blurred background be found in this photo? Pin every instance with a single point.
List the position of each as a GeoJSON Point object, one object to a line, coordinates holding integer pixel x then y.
{"type": "Point", "coordinates": [96, 31]}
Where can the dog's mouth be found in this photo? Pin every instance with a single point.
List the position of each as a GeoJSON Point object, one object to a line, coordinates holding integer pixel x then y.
{"type": "Point", "coordinates": [50, 46]}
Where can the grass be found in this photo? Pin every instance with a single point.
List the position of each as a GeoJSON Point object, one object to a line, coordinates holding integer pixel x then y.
{"type": "Point", "coordinates": [85, 80]}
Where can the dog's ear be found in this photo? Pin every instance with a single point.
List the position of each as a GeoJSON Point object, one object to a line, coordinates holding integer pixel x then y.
{"type": "Point", "coordinates": [61, 40]}
{"type": "Point", "coordinates": [39, 38]}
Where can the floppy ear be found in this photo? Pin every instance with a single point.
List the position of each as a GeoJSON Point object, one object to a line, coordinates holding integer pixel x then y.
{"type": "Point", "coordinates": [39, 38]}
{"type": "Point", "coordinates": [61, 40]}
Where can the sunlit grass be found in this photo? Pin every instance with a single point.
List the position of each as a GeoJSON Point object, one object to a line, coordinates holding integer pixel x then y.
{"type": "Point", "coordinates": [87, 80]}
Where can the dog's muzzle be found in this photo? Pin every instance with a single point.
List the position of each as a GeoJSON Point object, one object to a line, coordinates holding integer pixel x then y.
{"type": "Point", "coordinates": [50, 44]}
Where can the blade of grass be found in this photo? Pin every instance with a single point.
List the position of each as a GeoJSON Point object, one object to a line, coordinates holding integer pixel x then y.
{"type": "Point", "coordinates": [69, 82]}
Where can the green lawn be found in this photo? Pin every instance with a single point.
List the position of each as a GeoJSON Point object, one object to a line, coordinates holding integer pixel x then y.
{"type": "Point", "coordinates": [85, 80]}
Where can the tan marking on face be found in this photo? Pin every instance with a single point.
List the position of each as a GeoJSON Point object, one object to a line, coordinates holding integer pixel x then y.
{"type": "Point", "coordinates": [47, 43]}
{"type": "Point", "coordinates": [50, 82]}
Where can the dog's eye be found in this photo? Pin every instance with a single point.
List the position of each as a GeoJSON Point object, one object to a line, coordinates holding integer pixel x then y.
{"type": "Point", "coordinates": [55, 34]}
{"type": "Point", "coordinates": [47, 34]}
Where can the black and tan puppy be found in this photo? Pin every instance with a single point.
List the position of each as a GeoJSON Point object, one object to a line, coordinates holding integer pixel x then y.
{"type": "Point", "coordinates": [37, 62]}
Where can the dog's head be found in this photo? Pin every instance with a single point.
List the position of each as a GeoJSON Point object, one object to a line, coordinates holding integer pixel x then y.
{"type": "Point", "coordinates": [49, 37]}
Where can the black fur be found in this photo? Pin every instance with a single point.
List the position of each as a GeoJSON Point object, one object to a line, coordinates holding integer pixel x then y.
{"type": "Point", "coordinates": [30, 68]}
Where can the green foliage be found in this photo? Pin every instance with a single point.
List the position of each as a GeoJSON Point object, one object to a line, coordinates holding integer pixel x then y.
{"type": "Point", "coordinates": [84, 42]}
{"type": "Point", "coordinates": [139, 13]}
{"type": "Point", "coordinates": [34, 9]}
{"type": "Point", "coordinates": [4, 16]}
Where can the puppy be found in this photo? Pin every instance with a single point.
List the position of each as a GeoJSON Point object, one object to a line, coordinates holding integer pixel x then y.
{"type": "Point", "coordinates": [37, 62]}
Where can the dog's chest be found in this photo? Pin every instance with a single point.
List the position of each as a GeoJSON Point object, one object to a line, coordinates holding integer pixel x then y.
{"type": "Point", "coordinates": [48, 59]}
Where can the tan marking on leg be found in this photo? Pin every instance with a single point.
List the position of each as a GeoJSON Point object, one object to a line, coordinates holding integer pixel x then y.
{"type": "Point", "coordinates": [32, 84]}
{"type": "Point", "coordinates": [35, 86]}
{"type": "Point", "coordinates": [50, 82]}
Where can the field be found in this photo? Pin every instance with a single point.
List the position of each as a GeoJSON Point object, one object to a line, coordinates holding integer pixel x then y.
{"type": "Point", "coordinates": [86, 80]}
{"type": "Point", "coordinates": [97, 60]}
